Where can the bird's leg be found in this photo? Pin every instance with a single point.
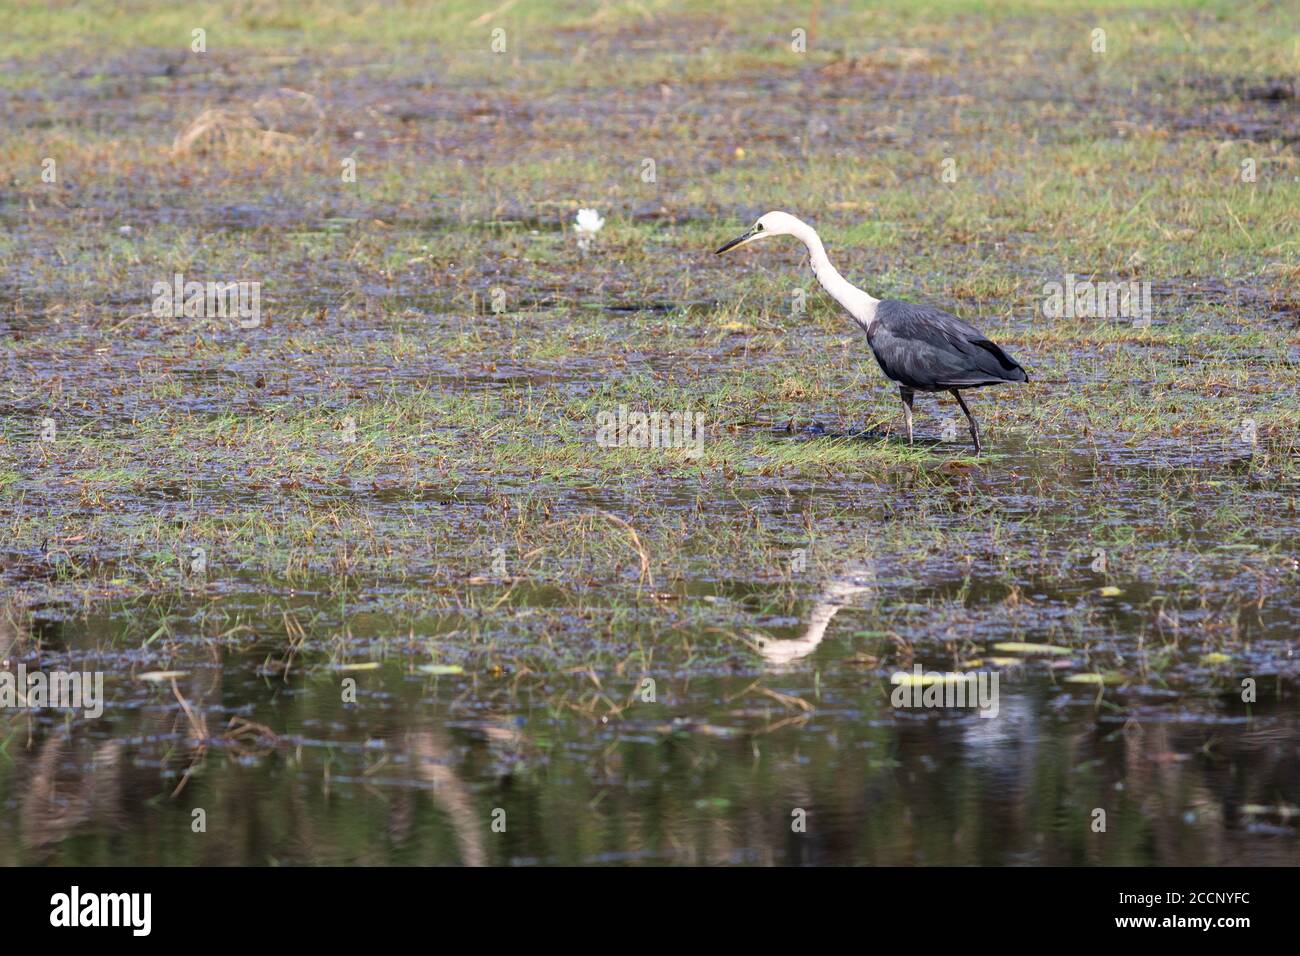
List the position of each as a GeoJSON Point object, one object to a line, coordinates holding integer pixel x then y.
{"type": "Point", "coordinates": [907, 395]}
{"type": "Point", "coordinates": [974, 429]}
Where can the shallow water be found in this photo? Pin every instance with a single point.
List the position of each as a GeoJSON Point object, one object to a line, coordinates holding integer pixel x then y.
{"type": "Point", "coordinates": [745, 735]}
{"type": "Point", "coordinates": [420, 769]}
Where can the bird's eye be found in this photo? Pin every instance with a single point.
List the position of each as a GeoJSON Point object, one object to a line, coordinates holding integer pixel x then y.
{"type": "Point", "coordinates": [758, 227]}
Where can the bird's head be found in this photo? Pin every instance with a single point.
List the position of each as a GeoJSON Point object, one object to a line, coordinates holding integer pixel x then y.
{"type": "Point", "coordinates": [771, 224]}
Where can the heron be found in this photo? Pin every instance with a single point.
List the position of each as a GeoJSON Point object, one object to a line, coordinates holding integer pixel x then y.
{"type": "Point", "coordinates": [840, 592]}
{"type": "Point", "coordinates": [922, 348]}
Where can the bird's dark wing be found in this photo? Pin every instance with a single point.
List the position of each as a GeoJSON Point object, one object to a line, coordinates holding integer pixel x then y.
{"type": "Point", "coordinates": [925, 348]}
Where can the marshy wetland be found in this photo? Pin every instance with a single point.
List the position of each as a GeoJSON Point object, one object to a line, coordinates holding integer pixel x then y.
{"type": "Point", "coordinates": [363, 585]}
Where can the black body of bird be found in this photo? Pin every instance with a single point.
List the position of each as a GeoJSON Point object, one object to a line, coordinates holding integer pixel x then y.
{"type": "Point", "coordinates": [928, 350]}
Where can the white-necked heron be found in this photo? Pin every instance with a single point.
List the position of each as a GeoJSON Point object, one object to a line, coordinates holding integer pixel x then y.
{"type": "Point", "coordinates": [922, 348]}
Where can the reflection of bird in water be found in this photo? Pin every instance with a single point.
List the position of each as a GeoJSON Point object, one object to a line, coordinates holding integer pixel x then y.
{"type": "Point", "coordinates": [56, 805]}
{"type": "Point", "coordinates": [67, 785]}
{"type": "Point", "coordinates": [56, 800]}
{"type": "Point", "coordinates": [841, 591]}
{"type": "Point", "coordinates": [70, 779]}
{"type": "Point", "coordinates": [1008, 740]}
{"type": "Point", "coordinates": [431, 755]}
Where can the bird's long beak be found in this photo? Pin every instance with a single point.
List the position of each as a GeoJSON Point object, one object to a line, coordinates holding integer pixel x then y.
{"type": "Point", "coordinates": [740, 240]}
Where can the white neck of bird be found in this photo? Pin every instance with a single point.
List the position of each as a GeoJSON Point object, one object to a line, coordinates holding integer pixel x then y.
{"type": "Point", "coordinates": [859, 304]}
